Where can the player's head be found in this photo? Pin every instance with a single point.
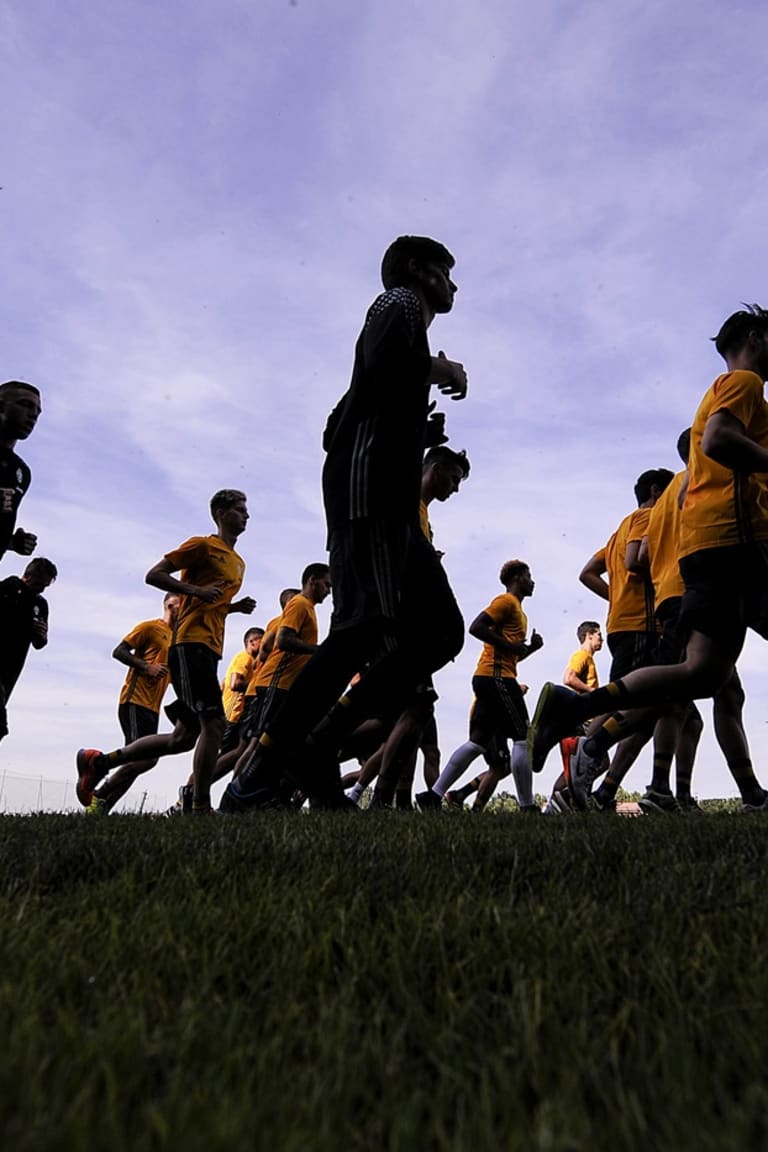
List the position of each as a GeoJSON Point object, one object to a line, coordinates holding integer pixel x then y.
{"type": "Point", "coordinates": [517, 574]}
{"type": "Point", "coordinates": [590, 630]}
{"type": "Point", "coordinates": [19, 409]}
{"type": "Point", "coordinates": [422, 264]}
{"type": "Point", "coordinates": [252, 640]}
{"type": "Point", "coordinates": [288, 594]}
{"type": "Point", "coordinates": [316, 582]}
{"type": "Point", "coordinates": [684, 445]}
{"type": "Point", "coordinates": [745, 332]}
{"type": "Point", "coordinates": [39, 573]}
{"type": "Point", "coordinates": [171, 605]}
{"type": "Point", "coordinates": [650, 485]}
{"type": "Point", "coordinates": [443, 472]}
{"type": "Point", "coordinates": [229, 509]}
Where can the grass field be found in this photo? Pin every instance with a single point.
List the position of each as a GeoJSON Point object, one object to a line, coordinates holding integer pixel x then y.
{"type": "Point", "coordinates": [384, 982]}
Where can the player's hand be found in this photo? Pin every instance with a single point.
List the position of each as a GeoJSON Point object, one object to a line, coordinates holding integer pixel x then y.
{"type": "Point", "coordinates": [246, 605]}
{"type": "Point", "coordinates": [435, 428]}
{"type": "Point", "coordinates": [155, 671]}
{"type": "Point", "coordinates": [455, 384]}
{"type": "Point", "coordinates": [536, 641]}
{"type": "Point", "coordinates": [23, 542]}
{"type": "Point", "coordinates": [523, 688]}
{"type": "Point", "coordinates": [209, 593]}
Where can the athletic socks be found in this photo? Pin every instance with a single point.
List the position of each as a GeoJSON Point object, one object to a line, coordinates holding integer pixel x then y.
{"type": "Point", "coordinates": [458, 763]}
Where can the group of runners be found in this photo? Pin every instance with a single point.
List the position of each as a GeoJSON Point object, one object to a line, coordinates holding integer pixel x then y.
{"type": "Point", "coordinates": [683, 575]}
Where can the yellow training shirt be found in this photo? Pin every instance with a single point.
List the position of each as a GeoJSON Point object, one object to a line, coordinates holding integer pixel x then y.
{"type": "Point", "coordinates": [234, 702]}
{"type": "Point", "coordinates": [723, 507]}
{"type": "Point", "coordinates": [583, 664]}
{"type": "Point", "coordinates": [282, 668]}
{"type": "Point", "coordinates": [511, 622]}
{"type": "Point", "coordinates": [663, 535]}
{"type": "Point", "coordinates": [149, 641]}
{"type": "Point", "coordinates": [206, 560]}
{"type": "Point", "coordinates": [630, 607]}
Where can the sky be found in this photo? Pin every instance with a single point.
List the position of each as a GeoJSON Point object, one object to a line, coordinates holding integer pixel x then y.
{"type": "Point", "coordinates": [194, 201]}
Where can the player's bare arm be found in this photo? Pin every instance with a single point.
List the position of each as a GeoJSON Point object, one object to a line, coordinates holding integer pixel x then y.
{"type": "Point", "coordinates": [161, 576]}
{"type": "Point", "coordinates": [591, 576]}
{"type": "Point", "coordinates": [246, 605]}
{"type": "Point", "coordinates": [124, 654]}
{"type": "Point", "coordinates": [288, 640]}
{"type": "Point", "coordinates": [484, 629]}
{"type": "Point", "coordinates": [726, 442]}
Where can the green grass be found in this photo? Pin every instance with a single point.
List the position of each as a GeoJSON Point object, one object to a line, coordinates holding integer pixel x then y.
{"type": "Point", "coordinates": [383, 982]}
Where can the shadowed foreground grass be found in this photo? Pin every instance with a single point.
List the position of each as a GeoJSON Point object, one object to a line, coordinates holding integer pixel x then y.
{"type": "Point", "coordinates": [383, 982]}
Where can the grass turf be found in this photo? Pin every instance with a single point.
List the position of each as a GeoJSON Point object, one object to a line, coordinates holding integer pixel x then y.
{"type": "Point", "coordinates": [386, 981]}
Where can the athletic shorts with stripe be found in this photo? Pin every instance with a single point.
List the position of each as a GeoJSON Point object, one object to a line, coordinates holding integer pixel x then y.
{"type": "Point", "coordinates": [499, 709]}
{"type": "Point", "coordinates": [726, 592]}
{"type": "Point", "coordinates": [194, 676]}
{"type": "Point", "coordinates": [631, 650]}
{"type": "Point", "coordinates": [136, 721]}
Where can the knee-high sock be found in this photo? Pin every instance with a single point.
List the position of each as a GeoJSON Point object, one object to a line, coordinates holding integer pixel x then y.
{"type": "Point", "coordinates": [458, 763]}
{"type": "Point", "coordinates": [521, 772]}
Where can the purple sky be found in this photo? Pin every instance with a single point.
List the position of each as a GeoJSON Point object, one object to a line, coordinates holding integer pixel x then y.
{"type": "Point", "coordinates": [194, 203]}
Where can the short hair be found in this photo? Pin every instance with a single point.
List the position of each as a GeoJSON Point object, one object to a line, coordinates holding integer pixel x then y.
{"type": "Point", "coordinates": [45, 568]}
{"type": "Point", "coordinates": [442, 454]}
{"type": "Point", "coordinates": [18, 386]}
{"type": "Point", "coordinates": [684, 445]}
{"type": "Point", "coordinates": [512, 569]}
{"type": "Point", "coordinates": [395, 272]}
{"type": "Point", "coordinates": [288, 594]}
{"type": "Point", "coordinates": [586, 628]}
{"type": "Point", "coordinates": [313, 570]}
{"type": "Point", "coordinates": [225, 498]}
{"type": "Point", "coordinates": [653, 478]}
{"type": "Point", "coordinates": [252, 632]}
{"type": "Point", "coordinates": [736, 330]}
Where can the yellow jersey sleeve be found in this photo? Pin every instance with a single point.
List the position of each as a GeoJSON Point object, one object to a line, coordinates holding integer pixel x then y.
{"type": "Point", "coordinates": [149, 641]}
{"type": "Point", "coordinates": [512, 624]}
{"type": "Point", "coordinates": [205, 560]}
{"type": "Point", "coordinates": [282, 668]}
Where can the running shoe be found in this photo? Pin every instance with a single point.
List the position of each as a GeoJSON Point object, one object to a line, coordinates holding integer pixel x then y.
{"type": "Point", "coordinates": [560, 803]}
{"type": "Point", "coordinates": [185, 799]}
{"type": "Point", "coordinates": [583, 770]}
{"type": "Point", "coordinates": [453, 800]}
{"type": "Point", "coordinates": [97, 807]}
{"type": "Point", "coordinates": [529, 810]}
{"type": "Point", "coordinates": [92, 767]}
{"type": "Point", "coordinates": [555, 717]}
{"type": "Point", "coordinates": [655, 803]}
{"type": "Point", "coordinates": [429, 801]}
{"type": "Point", "coordinates": [690, 806]}
{"type": "Point", "coordinates": [603, 803]}
{"type": "Point", "coordinates": [749, 809]}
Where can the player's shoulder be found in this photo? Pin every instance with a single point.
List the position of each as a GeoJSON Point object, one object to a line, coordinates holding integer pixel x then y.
{"type": "Point", "coordinates": [403, 299]}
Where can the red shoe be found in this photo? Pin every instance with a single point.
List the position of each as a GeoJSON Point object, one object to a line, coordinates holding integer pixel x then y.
{"type": "Point", "coordinates": [89, 772]}
{"type": "Point", "coordinates": [568, 746]}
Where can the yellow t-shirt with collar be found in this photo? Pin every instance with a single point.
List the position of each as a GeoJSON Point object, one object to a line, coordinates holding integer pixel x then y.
{"type": "Point", "coordinates": [205, 560]}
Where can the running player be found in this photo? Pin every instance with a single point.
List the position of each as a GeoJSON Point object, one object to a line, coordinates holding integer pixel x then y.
{"type": "Point", "coordinates": [23, 622]}
{"type": "Point", "coordinates": [145, 652]}
{"type": "Point", "coordinates": [211, 575]}
{"type": "Point", "coordinates": [499, 711]}
{"type": "Point", "coordinates": [19, 412]}
{"type": "Point", "coordinates": [722, 554]}
{"type": "Point", "coordinates": [392, 603]}
{"type": "Point", "coordinates": [580, 676]}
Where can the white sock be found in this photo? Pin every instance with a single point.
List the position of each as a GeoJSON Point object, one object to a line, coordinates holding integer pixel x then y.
{"type": "Point", "coordinates": [356, 792]}
{"type": "Point", "coordinates": [521, 772]}
{"type": "Point", "coordinates": [458, 763]}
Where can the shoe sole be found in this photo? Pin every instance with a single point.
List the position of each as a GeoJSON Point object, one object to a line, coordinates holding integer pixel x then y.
{"type": "Point", "coordinates": [85, 786]}
{"type": "Point", "coordinates": [651, 808]}
{"type": "Point", "coordinates": [535, 757]}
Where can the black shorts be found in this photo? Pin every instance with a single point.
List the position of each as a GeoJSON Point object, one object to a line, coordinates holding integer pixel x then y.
{"type": "Point", "coordinates": [499, 709]}
{"type": "Point", "coordinates": [631, 650]}
{"type": "Point", "coordinates": [252, 718]}
{"type": "Point", "coordinates": [194, 676]}
{"type": "Point", "coordinates": [231, 738]}
{"type": "Point", "coordinates": [367, 559]}
{"type": "Point", "coordinates": [671, 649]}
{"type": "Point", "coordinates": [726, 592]}
{"type": "Point", "coordinates": [135, 721]}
